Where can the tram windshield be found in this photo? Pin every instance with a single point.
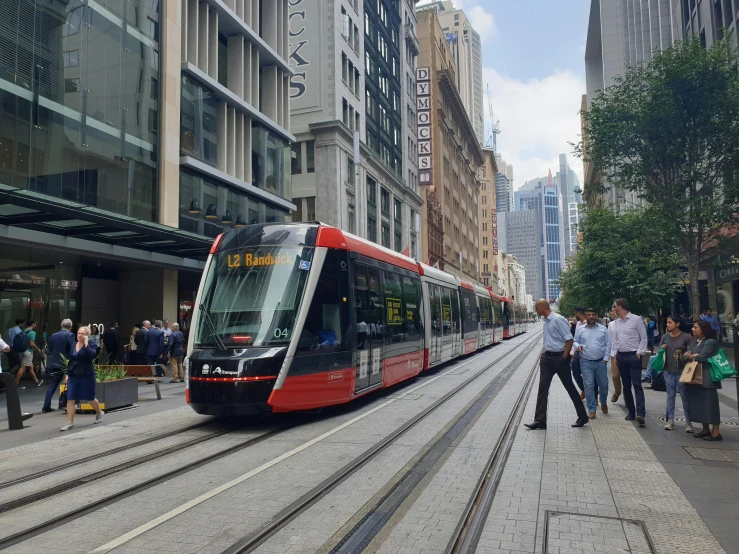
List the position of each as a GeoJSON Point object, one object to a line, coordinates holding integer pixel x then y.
{"type": "Point", "coordinates": [252, 296]}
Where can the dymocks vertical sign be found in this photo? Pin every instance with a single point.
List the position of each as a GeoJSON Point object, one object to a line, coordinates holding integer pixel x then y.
{"type": "Point", "coordinates": [423, 108]}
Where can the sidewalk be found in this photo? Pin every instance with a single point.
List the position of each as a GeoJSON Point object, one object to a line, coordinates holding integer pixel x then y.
{"type": "Point", "coordinates": [603, 488]}
{"type": "Point", "coordinates": [44, 426]}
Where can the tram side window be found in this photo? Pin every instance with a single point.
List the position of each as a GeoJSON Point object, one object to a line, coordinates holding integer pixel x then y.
{"type": "Point", "coordinates": [411, 314]}
{"type": "Point", "coordinates": [328, 317]}
{"type": "Point", "coordinates": [393, 307]}
{"type": "Point", "coordinates": [469, 312]}
{"type": "Point", "coordinates": [455, 311]}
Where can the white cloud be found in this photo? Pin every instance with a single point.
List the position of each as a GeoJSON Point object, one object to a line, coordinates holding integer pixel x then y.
{"type": "Point", "coordinates": [538, 118]}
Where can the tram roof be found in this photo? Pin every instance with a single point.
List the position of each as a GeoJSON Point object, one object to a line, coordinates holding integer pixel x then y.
{"type": "Point", "coordinates": [332, 237]}
{"type": "Point", "coordinates": [437, 274]}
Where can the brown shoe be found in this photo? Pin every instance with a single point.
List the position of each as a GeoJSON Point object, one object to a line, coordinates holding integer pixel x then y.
{"type": "Point", "coordinates": [614, 398]}
{"type": "Point", "coordinates": [604, 409]}
{"type": "Point", "coordinates": [582, 395]}
{"type": "Point", "coordinates": [591, 415]}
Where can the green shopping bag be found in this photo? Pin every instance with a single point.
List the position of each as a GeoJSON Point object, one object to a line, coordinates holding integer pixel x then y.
{"type": "Point", "coordinates": [720, 366]}
{"type": "Point", "coordinates": [658, 364]}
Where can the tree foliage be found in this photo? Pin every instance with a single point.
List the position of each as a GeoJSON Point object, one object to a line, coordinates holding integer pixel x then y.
{"type": "Point", "coordinates": [631, 256]}
{"type": "Point", "coordinates": [670, 132]}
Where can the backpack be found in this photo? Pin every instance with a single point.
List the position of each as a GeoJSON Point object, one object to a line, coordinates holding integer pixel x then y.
{"type": "Point", "coordinates": [21, 342]}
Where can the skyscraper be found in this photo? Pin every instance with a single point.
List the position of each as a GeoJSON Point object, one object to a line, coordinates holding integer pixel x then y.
{"type": "Point", "coordinates": [466, 47]}
{"type": "Point", "coordinates": [503, 185]}
{"type": "Point", "coordinates": [568, 182]}
{"type": "Point", "coordinates": [624, 33]}
{"type": "Point", "coordinates": [354, 73]}
{"type": "Point", "coordinates": [542, 195]}
{"type": "Point", "coordinates": [523, 234]}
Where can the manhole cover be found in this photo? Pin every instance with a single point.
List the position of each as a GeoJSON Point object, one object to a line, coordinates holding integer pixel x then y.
{"type": "Point", "coordinates": [713, 454]}
{"type": "Point", "coordinates": [730, 422]}
{"type": "Point", "coordinates": [599, 533]}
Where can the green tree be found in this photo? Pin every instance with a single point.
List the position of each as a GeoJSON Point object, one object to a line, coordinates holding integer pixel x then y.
{"type": "Point", "coordinates": [632, 256]}
{"type": "Point", "coordinates": [670, 132]}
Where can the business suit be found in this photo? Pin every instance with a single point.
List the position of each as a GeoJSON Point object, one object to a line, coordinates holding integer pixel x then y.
{"type": "Point", "coordinates": [60, 346]}
{"type": "Point", "coordinates": [139, 339]}
{"type": "Point", "coordinates": [153, 347]}
{"type": "Point", "coordinates": [110, 341]}
{"type": "Point", "coordinates": [177, 353]}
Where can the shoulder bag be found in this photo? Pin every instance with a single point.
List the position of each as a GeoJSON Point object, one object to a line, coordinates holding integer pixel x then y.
{"type": "Point", "coordinates": [720, 366]}
{"type": "Point", "coordinates": [658, 364]}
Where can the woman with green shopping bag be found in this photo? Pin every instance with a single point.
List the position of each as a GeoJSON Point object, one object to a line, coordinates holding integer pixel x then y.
{"type": "Point", "coordinates": [703, 397]}
{"type": "Point", "coordinates": [674, 344]}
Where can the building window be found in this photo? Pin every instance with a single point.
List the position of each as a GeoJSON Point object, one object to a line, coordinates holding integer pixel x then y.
{"type": "Point", "coordinates": [386, 235]}
{"type": "Point", "coordinates": [296, 165]}
{"type": "Point", "coordinates": [398, 210]}
{"type": "Point", "coordinates": [310, 154]}
{"type": "Point", "coordinates": [398, 240]}
{"type": "Point", "coordinates": [384, 201]}
{"type": "Point", "coordinates": [351, 215]}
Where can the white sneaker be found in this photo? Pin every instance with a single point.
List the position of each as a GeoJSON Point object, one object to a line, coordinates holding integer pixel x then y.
{"type": "Point", "coordinates": [67, 427]}
{"type": "Point", "coordinates": [689, 428]}
{"type": "Point", "coordinates": [670, 425]}
{"type": "Point", "coordinates": [99, 418]}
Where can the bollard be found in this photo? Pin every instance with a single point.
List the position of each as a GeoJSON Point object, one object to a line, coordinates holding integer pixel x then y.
{"type": "Point", "coordinates": [15, 416]}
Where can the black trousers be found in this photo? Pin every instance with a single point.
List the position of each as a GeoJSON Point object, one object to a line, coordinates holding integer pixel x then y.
{"type": "Point", "coordinates": [551, 365]}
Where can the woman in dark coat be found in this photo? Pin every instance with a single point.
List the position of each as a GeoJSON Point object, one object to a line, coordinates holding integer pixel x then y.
{"type": "Point", "coordinates": [703, 399]}
{"type": "Point", "coordinates": [81, 377]}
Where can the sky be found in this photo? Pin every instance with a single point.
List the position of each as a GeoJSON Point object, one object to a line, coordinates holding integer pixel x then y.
{"type": "Point", "coordinates": [533, 64]}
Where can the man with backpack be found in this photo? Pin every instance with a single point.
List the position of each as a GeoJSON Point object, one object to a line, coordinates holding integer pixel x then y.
{"type": "Point", "coordinates": [14, 359]}
{"type": "Point", "coordinates": [24, 344]}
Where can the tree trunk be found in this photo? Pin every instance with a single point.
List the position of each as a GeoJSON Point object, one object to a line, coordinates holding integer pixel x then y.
{"type": "Point", "coordinates": [695, 297]}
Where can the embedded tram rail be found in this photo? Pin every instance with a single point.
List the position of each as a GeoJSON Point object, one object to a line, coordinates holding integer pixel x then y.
{"type": "Point", "coordinates": [371, 524]}
{"type": "Point", "coordinates": [52, 523]}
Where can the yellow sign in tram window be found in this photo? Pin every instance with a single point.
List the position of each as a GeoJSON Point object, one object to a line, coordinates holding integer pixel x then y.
{"type": "Point", "coordinates": [393, 311]}
{"type": "Point", "coordinates": [247, 259]}
{"type": "Point", "coordinates": [447, 310]}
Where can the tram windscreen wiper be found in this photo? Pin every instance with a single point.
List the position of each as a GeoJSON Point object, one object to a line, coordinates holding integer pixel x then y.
{"type": "Point", "coordinates": [212, 327]}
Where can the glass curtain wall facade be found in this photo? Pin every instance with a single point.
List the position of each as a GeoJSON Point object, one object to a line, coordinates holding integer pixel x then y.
{"type": "Point", "coordinates": [382, 83]}
{"type": "Point", "coordinates": [552, 222]}
{"type": "Point", "coordinates": [79, 89]}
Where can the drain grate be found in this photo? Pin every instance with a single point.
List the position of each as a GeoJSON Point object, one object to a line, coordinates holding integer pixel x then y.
{"type": "Point", "coordinates": [713, 454]}
{"type": "Point", "coordinates": [730, 422]}
{"type": "Point", "coordinates": [569, 532]}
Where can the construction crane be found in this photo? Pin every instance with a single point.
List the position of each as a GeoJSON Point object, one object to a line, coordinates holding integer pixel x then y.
{"type": "Point", "coordinates": [494, 124]}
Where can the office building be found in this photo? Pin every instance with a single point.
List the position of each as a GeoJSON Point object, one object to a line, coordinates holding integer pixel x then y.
{"type": "Point", "coordinates": [490, 225]}
{"type": "Point", "coordinates": [542, 195]}
{"type": "Point", "coordinates": [354, 74]}
{"type": "Point", "coordinates": [711, 20]}
{"type": "Point", "coordinates": [449, 173]}
{"type": "Point", "coordinates": [624, 33]}
{"type": "Point", "coordinates": [504, 185]}
{"type": "Point", "coordinates": [131, 134]}
{"type": "Point", "coordinates": [523, 240]}
{"type": "Point", "coordinates": [466, 48]}
{"type": "Point", "coordinates": [569, 189]}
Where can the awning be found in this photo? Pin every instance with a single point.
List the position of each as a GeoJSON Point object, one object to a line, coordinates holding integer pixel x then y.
{"type": "Point", "coordinates": [39, 212]}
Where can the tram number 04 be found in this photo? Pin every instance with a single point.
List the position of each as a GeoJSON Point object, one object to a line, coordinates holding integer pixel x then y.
{"type": "Point", "coordinates": [281, 333]}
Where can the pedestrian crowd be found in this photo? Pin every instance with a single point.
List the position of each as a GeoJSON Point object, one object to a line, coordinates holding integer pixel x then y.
{"type": "Point", "coordinates": [70, 357]}
{"type": "Point", "coordinates": [579, 353]}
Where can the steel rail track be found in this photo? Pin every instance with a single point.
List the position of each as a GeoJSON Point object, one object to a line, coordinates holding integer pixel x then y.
{"type": "Point", "coordinates": [257, 537]}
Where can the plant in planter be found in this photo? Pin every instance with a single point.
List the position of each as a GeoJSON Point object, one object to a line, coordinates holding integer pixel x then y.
{"type": "Point", "coordinates": [113, 388]}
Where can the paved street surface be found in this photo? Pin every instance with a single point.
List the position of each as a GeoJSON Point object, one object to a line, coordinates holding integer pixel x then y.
{"type": "Point", "coordinates": [609, 487]}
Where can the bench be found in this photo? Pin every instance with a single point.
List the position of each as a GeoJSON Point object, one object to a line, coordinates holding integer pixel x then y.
{"type": "Point", "coordinates": [145, 374]}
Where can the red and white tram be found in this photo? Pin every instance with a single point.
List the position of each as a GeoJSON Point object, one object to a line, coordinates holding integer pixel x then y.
{"type": "Point", "coordinates": [300, 316]}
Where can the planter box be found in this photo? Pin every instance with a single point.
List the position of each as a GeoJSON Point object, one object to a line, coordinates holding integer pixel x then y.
{"type": "Point", "coordinates": [115, 394]}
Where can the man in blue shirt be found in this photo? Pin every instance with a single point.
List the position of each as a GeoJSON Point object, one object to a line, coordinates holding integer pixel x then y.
{"type": "Point", "coordinates": [60, 348]}
{"type": "Point", "coordinates": [555, 360]}
{"type": "Point", "coordinates": [711, 319]}
{"type": "Point", "coordinates": [593, 342]}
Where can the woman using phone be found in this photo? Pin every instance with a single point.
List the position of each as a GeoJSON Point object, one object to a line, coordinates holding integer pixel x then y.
{"type": "Point", "coordinates": [81, 377]}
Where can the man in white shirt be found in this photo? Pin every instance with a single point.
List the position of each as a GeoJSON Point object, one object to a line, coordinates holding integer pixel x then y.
{"type": "Point", "coordinates": [630, 345]}
{"type": "Point", "coordinates": [615, 375]}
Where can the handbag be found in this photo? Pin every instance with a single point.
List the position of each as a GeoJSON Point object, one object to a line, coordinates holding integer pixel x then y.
{"type": "Point", "coordinates": [658, 364]}
{"type": "Point", "coordinates": [720, 366]}
{"type": "Point", "coordinates": [692, 373]}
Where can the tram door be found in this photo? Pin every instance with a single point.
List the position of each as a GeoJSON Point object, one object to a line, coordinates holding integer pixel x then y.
{"type": "Point", "coordinates": [436, 334]}
{"type": "Point", "coordinates": [370, 326]}
{"type": "Point", "coordinates": [456, 324]}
